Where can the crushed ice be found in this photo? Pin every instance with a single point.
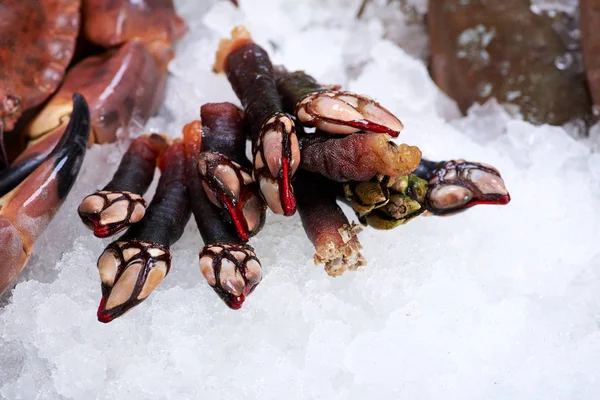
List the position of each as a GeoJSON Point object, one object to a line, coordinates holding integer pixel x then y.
{"type": "Point", "coordinates": [497, 303]}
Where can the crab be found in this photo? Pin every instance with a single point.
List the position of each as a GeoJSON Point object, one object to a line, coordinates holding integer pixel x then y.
{"type": "Point", "coordinates": [70, 70]}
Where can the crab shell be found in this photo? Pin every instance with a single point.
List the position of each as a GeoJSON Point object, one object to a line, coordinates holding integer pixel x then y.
{"type": "Point", "coordinates": [37, 44]}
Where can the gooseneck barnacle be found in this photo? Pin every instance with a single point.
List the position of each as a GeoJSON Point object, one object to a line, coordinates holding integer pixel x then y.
{"type": "Point", "coordinates": [232, 270]}
{"type": "Point", "coordinates": [132, 266]}
{"type": "Point", "coordinates": [129, 272]}
{"type": "Point", "coordinates": [434, 188]}
{"type": "Point", "coordinates": [120, 204]}
{"type": "Point", "coordinates": [275, 146]}
{"type": "Point", "coordinates": [456, 185]}
{"type": "Point", "coordinates": [225, 169]}
{"type": "Point", "coordinates": [332, 111]}
{"type": "Point", "coordinates": [231, 275]}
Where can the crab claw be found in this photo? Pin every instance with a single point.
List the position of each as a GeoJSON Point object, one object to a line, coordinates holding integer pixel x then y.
{"type": "Point", "coordinates": [130, 271]}
{"type": "Point", "coordinates": [456, 185]}
{"type": "Point", "coordinates": [109, 212]}
{"type": "Point", "coordinates": [346, 112]}
{"type": "Point", "coordinates": [230, 186]}
{"type": "Point", "coordinates": [232, 270]}
{"type": "Point", "coordinates": [276, 159]}
{"type": "Point", "coordinates": [26, 211]}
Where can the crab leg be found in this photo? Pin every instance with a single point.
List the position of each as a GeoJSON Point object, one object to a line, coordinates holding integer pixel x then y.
{"type": "Point", "coordinates": [436, 188]}
{"type": "Point", "coordinates": [357, 157]}
{"type": "Point", "coordinates": [333, 236]}
{"type": "Point", "coordinates": [225, 170]}
{"type": "Point", "coordinates": [332, 111]}
{"type": "Point", "coordinates": [229, 265]}
{"type": "Point", "coordinates": [120, 204]}
{"type": "Point", "coordinates": [120, 87]}
{"type": "Point", "coordinates": [133, 266]}
{"type": "Point", "coordinates": [275, 145]}
{"type": "Point", "coordinates": [28, 209]}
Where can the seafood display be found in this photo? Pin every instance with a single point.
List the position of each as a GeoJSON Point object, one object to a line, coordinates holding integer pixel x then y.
{"type": "Point", "coordinates": [351, 156]}
{"type": "Point", "coordinates": [423, 246]}
{"type": "Point", "coordinates": [312, 145]}
{"type": "Point", "coordinates": [116, 72]}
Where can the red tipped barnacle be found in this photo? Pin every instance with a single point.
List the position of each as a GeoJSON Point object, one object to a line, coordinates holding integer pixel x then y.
{"type": "Point", "coordinates": [276, 151]}
{"type": "Point", "coordinates": [456, 185]}
{"type": "Point", "coordinates": [230, 186]}
{"type": "Point", "coordinates": [226, 171]}
{"type": "Point", "coordinates": [273, 171]}
{"type": "Point", "coordinates": [333, 111]}
{"type": "Point", "coordinates": [228, 264]}
{"type": "Point", "coordinates": [129, 272]}
{"type": "Point", "coordinates": [232, 270]}
{"type": "Point", "coordinates": [133, 266]}
{"type": "Point", "coordinates": [120, 204]}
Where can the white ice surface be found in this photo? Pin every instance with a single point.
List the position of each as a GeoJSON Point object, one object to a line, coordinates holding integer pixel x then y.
{"type": "Point", "coordinates": [496, 303]}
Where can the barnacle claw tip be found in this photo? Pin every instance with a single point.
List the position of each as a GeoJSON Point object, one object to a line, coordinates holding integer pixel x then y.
{"type": "Point", "coordinates": [347, 112]}
{"type": "Point", "coordinates": [103, 315]}
{"type": "Point", "coordinates": [288, 201]}
{"type": "Point", "coordinates": [129, 272]}
{"type": "Point", "coordinates": [107, 213]}
{"type": "Point", "coordinates": [232, 270]}
{"type": "Point", "coordinates": [458, 185]}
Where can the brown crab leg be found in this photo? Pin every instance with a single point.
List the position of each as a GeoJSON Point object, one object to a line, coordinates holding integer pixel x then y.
{"type": "Point", "coordinates": [229, 265]}
{"type": "Point", "coordinates": [133, 266]}
{"type": "Point", "coordinates": [120, 87]}
{"type": "Point", "coordinates": [357, 157]}
{"type": "Point", "coordinates": [225, 170]}
{"type": "Point", "coordinates": [325, 224]}
{"type": "Point", "coordinates": [332, 111]}
{"type": "Point", "coordinates": [275, 145]}
{"type": "Point", "coordinates": [28, 209]}
{"type": "Point", "coordinates": [120, 204]}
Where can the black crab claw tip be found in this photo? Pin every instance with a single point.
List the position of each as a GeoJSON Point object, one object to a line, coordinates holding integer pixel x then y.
{"type": "Point", "coordinates": [107, 213]}
{"type": "Point", "coordinates": [458, 185]}
{"type": "Point", "coordinates": [232, 270]}
{"type": "Point", "coordinates": [69, 150]}
{"type": "Point", "coordinates": [129, 271]}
